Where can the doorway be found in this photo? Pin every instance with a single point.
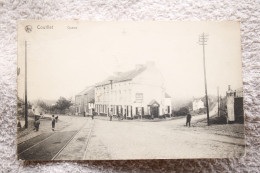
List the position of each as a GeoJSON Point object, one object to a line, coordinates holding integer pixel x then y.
{"type": "Point", "coordinates": [155, 111]}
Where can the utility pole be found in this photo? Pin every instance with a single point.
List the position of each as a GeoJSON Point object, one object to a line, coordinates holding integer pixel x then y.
{"type": "Point", "coordinates": [26, 104]}
{"type": "Point", "coordinates": [203, 38]}
{"type": "Point", "coordinates": [218, 102]}
{"type": "Point", "coordinates": [110, 97]}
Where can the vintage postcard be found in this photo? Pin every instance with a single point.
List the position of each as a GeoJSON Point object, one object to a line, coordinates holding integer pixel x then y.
{"type": "Point", "coordinates": [129, 90]}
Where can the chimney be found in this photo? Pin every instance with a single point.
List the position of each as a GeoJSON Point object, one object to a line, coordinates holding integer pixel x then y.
{"type": "Point", "coordinates": [229, 88]}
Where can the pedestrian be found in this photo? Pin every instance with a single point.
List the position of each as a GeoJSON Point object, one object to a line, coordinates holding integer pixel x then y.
{"type": "Point", "coordinates": [56, 118]}
{"type": "Point", "coordinates": [19, 124]}
{"type": "Point", "coordinates": [53, 122]}
{"type": "Point", "coordinates": [119, 116]}
{"type": "Point", "coordinates": [36, 123]}
{"type": "Point", "coordinates": [92, 116]}
{"type": "Point", "coordinates": [188, 118]}
{"type": "Point", "coordinates": [111, 115]}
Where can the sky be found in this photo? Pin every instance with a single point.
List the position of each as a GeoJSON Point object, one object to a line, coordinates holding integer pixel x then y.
{"type": "Point", "coordinates": [62, 61]}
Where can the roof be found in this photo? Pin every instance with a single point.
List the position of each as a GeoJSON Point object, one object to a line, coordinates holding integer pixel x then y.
{"type": "Point", "coordinates": [124, 76]}
{"type": "Point", "coordinates": [92, 100]}
{"type": "Point", "coordinates": [86, 90]}
{"type": "Point", "coordinates": [153, 102]}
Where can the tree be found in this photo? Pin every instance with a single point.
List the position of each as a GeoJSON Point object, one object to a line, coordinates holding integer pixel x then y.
{"type": "Point", "coordinates": [62, 105]}
{"type": "Point", "coordinates": [182, 111]}
{"type": "Point", "coordinates": [44, 106]}
{"type": "Point", "coordinates": [21, 107]}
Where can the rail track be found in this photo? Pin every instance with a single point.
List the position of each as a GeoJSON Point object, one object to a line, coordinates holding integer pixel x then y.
{"type": "Point", "coordinates": [37, 144]}
{"type": "Point", "coordinates": [73, 136]}
{"type": "Point", "coordinates": [88, 139]}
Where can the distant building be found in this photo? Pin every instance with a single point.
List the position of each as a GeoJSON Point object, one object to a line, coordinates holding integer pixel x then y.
{"type": "Point", "coordinates": [137, 92]}
{"type": "Point", "coordinates": [85, 101]}
{"type": "Point", "coordinates": [197, 104]}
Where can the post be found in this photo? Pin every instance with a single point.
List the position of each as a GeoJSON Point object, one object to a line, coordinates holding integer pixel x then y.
{"type": "Point", "coordinates": [26, 104]}
{"type": "Point", "coordinates": [218, 102]}
{"type": "Point", "coordinates": [202, 41]}
{"type": "Point", "coordinates": [110, 96]}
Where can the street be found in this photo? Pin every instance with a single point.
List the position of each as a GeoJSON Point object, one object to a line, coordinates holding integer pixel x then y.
{"type": "Point", "coordinates": [81, 138]}
{"type": "Point", "coordinates": [159, 140]}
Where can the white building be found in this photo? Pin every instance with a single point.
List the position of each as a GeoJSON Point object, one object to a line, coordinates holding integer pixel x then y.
{"type": "Point", "coordinates": [137, 92]}
{"type": "Point", "coordinates": [234, 103]}
{"type": "Point", "coordinates": [197, 104]}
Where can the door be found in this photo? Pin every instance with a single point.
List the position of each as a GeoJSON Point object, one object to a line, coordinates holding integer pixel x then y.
{"type": "Point", "coordinates": [155, 111]}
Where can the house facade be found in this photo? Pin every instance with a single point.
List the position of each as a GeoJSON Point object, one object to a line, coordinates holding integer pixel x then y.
{"type": "Point", "coordinates": [235, 111]}
{"type": "Point", "coordinates": [138, 92]}
{"type": "Point", "coordinates": [85, 101]}
{"type": "Point", "coordinates": [197, 104]}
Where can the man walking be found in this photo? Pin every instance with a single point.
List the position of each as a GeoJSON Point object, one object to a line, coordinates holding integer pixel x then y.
{"type": "Point", "coordinates": [111, 115]}
{"type": "Point", "coordinates": [56, 118]}
{"type": "Point", "coordinates": [93, 114]}
{"type": "Point", "coordinates": [53, 122]}
{"type": "Point", "coordinates": [188, 118]}
{"type": "Point", "coordinates": [36, 123]}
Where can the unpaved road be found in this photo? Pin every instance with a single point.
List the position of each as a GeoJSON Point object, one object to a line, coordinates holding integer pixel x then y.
{"type": "Point", "coordinates": [160, 140]}
{"type": "Point", "coordinates": [45, 144]}
{"type": "Point", "coordinates": [101, 139]}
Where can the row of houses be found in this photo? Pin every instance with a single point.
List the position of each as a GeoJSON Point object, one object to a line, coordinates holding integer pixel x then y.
{"type": "Point", "coordinates": [137, 92]}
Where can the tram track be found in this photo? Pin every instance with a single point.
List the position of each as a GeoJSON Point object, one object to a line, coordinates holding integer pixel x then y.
{"type": "Point", "coordinates": [47, 147]}
{"type": "Point", "coordinates": [88, 139]}
{"type": "Point", "coordinates": [73, 136]}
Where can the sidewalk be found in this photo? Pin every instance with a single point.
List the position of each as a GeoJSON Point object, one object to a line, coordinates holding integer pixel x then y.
{"type": "Point", "coordinates": [105, 118]}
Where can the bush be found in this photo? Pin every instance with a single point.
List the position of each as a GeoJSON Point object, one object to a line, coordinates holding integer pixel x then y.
{"type": "Point", "coordinates": [101, 114]}
{"type": "Point", "coordinates": [167, 115]}
{"type": "Point", "coordinates": [182, 111]}
{"type": "Point", "coordinates": [162, 116]}
{"type": "Point", "coordinates": [135, 117]}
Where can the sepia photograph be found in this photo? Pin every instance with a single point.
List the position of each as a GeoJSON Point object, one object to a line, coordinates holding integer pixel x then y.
{"type": "Point", "coordinates": [127, 90]}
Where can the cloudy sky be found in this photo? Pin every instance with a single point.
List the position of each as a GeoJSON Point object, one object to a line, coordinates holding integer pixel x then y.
{"type": "Point", "coordinates": [62, 61]}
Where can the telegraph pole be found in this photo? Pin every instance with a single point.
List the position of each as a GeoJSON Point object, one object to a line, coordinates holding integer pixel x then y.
{"type": "Point", "coordinates": [110, 97]}
{"type": "Point", "coordinates": [218, 101]}
{"type": "Point", "coordinates": [203, 38]}
{"type": "Point", "coordinates": [26, 104]}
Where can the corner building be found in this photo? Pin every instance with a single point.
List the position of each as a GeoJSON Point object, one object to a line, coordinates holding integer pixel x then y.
{"type": "Point", "coordinates": [136, 93]}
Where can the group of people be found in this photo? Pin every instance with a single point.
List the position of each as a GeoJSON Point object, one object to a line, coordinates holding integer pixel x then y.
{"type": "Point", "coordinates": [54, 120]}
{"type": "Point", "coordinates": [37, 123]}
{"type": "Point", "coordinates": [92, 114]}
